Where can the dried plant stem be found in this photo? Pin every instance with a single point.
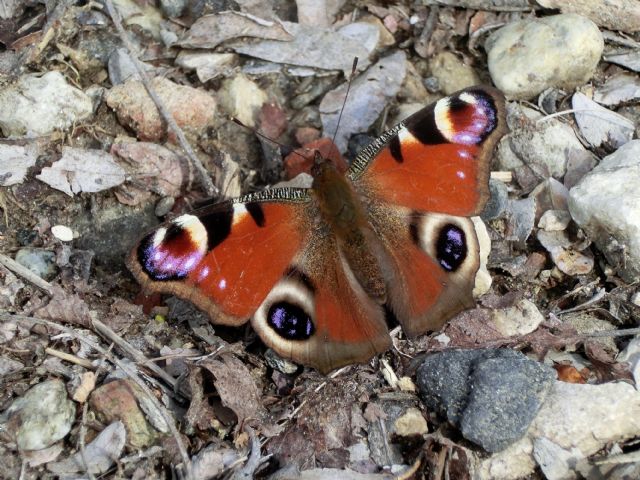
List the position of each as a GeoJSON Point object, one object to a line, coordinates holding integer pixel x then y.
{"type": "Point", "coordinates": [134, 354]}
{"type": "Point", "coordinates": [208, 186]}
{"type": "Point", "coordinates": [83, 362]}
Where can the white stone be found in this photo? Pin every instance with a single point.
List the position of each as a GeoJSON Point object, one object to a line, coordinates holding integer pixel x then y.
{"type": "Point", "coordinates": [555, 462]}
{"type": "Point", "coordinates": [531, 55]}
{"type": "Point", "coordinates": [606, 205]}
{"type": "Point", "coordinates": [15, 160]}
{"type": "Point", "coordinates": [520, 319]}
{"type": "Point", "coordinates": [544, 145]}
{"type": "Point", "coordinates": [39, 105]}
{"type": "Point", "coordinates": [554, 220]}
{"type": "Point", "coordinates": [40, 417]}
{"type": "Point", "coordinates": [62, 233]}
{"type": "Point", "coordinates": [483, 278]}
{"type": "Point", "coordinates": [631, 355]}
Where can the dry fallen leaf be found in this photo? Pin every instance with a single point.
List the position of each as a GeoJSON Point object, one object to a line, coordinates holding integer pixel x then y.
{"type": "Point", "coordinates": [599, 125]}
{"type": "Point", "coordinates": [311, 46]}
{"type": "Point", "coordinates": [211, 30]}
{"type": "Point", "coordinates": [66, 308]}
{"type": "Point", "coordinates": [100, 454]}
{"type": "Point", "coordinates": [369, 94]}
{"type": "Point", "coordinates": [569, 374]}
{"type": "Point", "coordinates": [152, 168]}
{"type": "Point", "coordinates": [82, 170]}
{"type": "Point", "coordinates": [236, 387]}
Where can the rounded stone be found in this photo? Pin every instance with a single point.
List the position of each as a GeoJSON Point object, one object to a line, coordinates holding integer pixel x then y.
{"type": "Point", "coordinates": [41, 417]}
{"type": "Point", "coordinates": [529, 56]}
{"type": "Point", "coordinates": [452, 73]}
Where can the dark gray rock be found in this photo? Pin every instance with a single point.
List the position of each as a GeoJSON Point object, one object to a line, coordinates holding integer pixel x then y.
{"type": "Point", "coordinates": [507, 394]}
{"type": "Point", "coordinates": [491, 395]}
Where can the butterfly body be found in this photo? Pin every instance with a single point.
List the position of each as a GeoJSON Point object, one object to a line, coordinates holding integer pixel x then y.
{"type": "Point", "coordinates": [314, 268]}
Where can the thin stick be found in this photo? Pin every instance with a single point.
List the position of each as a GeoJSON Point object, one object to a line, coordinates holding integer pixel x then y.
{"type": "Point", "coordinates": [208, 186]}
{"type": "Point", "coordinates": [425, 36]}
{"type": "Point", "coordinates": [83, 362]}
{"type": "Point", "coordinates": [599, 114]}
{"type": "Point", "coordinates": [83, 423]}
{"type": "Point", "coordinates": [122, 366]}
{"type": "Point", "coordinates": [346, 95]}
{"type": "Point", "coordinates": [133, 353]}
{"type": "Point", "coordinates": [27, 274]}
{"type": "Point", "coordinates": [83, 446]}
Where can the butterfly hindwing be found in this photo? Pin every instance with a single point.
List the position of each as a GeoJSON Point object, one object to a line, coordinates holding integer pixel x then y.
{"type": "Point", "coordinates": [421, 180]}
{"type": "Point", "coordinates": [432, 259]}
{"type": "Point", "coordinates": [319, 315]}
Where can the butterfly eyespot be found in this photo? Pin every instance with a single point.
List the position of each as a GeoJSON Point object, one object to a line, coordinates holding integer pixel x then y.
{"type": "Point", "coordinates": [290, 321]}
{"type": "Point", "coordinates": [451, 247]}
{"type": "Point", "coordinates": [171, 253]}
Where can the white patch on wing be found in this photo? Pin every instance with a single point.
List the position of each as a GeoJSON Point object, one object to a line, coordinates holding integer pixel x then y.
{"type": "Point", "coordinates": [158, 237]}
{"type": "Point", "coordinates": [441, 114]}
{"type": "Point", "coordinates": [405, 137]}
{"type": "Point", "coordinates": [467, 97]}
{"type": "Point", "coordinates": [195, 229]}
{"type": "Point", "coordinates": [239, 212]}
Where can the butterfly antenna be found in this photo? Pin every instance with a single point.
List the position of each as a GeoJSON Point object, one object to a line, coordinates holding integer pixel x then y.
{"type": "Point", "coordinates": [344, 102]}
{"type": "Point", "coordinates": [262, 135]}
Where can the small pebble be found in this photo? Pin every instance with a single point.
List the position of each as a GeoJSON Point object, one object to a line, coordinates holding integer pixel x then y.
{"type": "Point", "coordinates": [62, 233]}
{"type": "Point", "coordinates": [411, 423]}
{"type": "Point", "coordinates": [554, 220]}
{"type": "Point", "coordinates": [278, 363]}
{"type": "Point", "coordinates": [164, 206]}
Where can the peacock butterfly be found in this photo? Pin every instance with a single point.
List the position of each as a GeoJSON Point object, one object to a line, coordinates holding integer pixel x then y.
{"type": "Point", "coordinates": [314, 269]}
